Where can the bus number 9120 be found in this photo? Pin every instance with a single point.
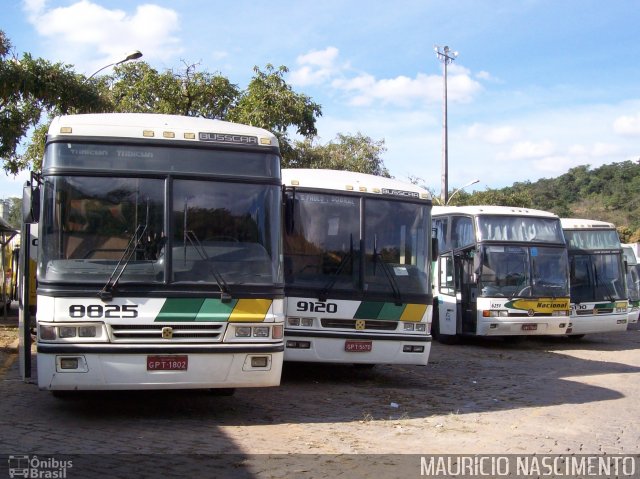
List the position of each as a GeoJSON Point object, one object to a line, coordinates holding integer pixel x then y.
{"type": "Point", "coordinates": [317, 307]}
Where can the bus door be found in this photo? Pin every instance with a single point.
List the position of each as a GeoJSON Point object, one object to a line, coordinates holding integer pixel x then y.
{"type": "Point", "coordinates": [449, 297]}
{"type": "Point", "coordinates": [467, 290]}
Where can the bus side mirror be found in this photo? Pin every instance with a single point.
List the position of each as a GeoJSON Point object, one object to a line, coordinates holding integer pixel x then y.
{"type": "Point", "coordinates": [434, 249]}
{"type": "Point", "coordinates": [30, 203]}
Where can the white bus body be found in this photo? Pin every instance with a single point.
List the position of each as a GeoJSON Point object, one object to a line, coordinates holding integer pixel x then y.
{"type": "Point", "coordinates": [357, 277]}
{"type": "Point", "coordinates": [633, 280]}
{"type": "Point", "coordinates": [599, 298]}
{"type": "Point", "coordinates": [159, 261]}
{"type": "Point", "coordinates": [501, 271]}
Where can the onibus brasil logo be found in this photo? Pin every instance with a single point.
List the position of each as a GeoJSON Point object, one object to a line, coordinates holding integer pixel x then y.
{"type": "Point", "coordinates": [34, 467]}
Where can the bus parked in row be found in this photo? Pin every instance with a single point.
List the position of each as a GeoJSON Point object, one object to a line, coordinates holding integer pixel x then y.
{"type": "Point", "coordinates": [159, 254]}
{"type": "Point", "coordinates": [357, 257]}
{"type": "Point", "coordinates": [632, 268]}
{"type": "Point", "coordinates": [501, 271]}
{"type": "Point", "coordinates": [599, 298]}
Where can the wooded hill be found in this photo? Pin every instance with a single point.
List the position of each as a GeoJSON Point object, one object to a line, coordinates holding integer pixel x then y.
{"type": "Point", "coordinates": [607, 193]}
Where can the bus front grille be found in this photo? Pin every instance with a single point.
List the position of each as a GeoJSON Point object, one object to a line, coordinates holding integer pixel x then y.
{"type": "Point", "coordinates": [351, 324]}
{"type": "Point", "coordinates": [144, 333]}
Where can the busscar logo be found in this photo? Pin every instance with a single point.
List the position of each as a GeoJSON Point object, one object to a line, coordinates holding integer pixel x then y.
{"type": "Point", "coordinates": [228, 138]}
{"type": "Point", "coordinates": [407, 194]}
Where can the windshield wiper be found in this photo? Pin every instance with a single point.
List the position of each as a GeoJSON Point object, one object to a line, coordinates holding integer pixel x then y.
{"type": "Point", "coordinates": [225, 294]}
{"type": "Point", "coordinates": [324, 292]}
{"type": "Point", "coordinates": [387, 272]}
{"type": "Point", "coordinates": [611, 298]}
{"type": "Point", "coordinates": [106, 293]}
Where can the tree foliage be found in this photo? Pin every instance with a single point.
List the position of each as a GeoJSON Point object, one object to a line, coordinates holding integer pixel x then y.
{"type": "Point", "coordinates": [347, 152]}
{"type": "Point", "coordinates": [33, 87]}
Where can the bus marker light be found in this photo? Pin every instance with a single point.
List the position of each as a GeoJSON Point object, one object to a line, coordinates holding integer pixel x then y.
{"type": "Point", "coordinates": [87, 331]}
{"type": "Point", "coordinates": [47, 332]}
{"type": "Point", "coordinates": [67, 331]}
{"type": "Point", "coordinates": [68, 363]}
{"type": "Point", "coordinates": [66, 129]}
{"type": "Point", "coordinates": [265, 141]}
{"type": "Point", "coordinates": [189, 136]}
{"type": "Point", "coordinates": [243, 332]}
{"type": "Point", "coordinates": [148, 133]}
{"type": "Point", "coordinates": [168, 134]}
{"type": "Point", "coordinates": [261, 332]}
{"type": "Point", "coordinates": [259, 361]}
{"type": "Point", "coordinates": [277, 332]}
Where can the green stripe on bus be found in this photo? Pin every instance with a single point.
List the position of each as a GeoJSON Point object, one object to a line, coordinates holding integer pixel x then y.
{"type": "Point", "coordinates": [215, 310]}
{"type": "Point", "coordinates": [368, 310]}
{"type": "Point", "coordinates": [180, 309]}
{"type": "Point", "coordinates": [379, 310]}
{"type": "Point", "coordinates": [391, 312]}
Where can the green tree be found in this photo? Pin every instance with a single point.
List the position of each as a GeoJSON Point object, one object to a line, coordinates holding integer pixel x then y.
{"type": "Point", "coordinates": [347, 152]}
{"type": "Point", "coordinates": [270, 103]}
{"type": "Point", "coordinates": [137, 87]}
{"type": "Point", "coordinates": [31, 88]}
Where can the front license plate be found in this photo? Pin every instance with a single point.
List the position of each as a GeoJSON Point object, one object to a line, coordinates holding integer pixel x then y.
{"type": "Point", "coordinates": [167, 363]}
{"type": "Point", "coordinates": [358, 346]}
{"type": "Point", "coordinates": [529, 327]}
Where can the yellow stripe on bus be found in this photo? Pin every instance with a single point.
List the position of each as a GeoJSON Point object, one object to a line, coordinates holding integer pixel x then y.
{"type": "Point", "coordinates": [250, 310]}
{"type": "Point", "coordinates": [413, 312]}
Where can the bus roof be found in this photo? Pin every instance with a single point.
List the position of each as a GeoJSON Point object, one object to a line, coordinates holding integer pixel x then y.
{"type": "Point", "coordinates": [340, 180]}
{"type": "Point", "coordinates": [159, 127]}
{"type": "Point", "coordinates": [479, 210]}
{"type": "Point", "coordinates": [583, 224]}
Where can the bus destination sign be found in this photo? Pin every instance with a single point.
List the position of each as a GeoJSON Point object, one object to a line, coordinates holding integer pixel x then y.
{"type": "Point", "coordinates": [228, 138]}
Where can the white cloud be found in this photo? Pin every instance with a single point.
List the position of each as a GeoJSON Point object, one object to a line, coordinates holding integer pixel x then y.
{"type": "Point", "coordinates": [531, 149]}
{"type": "Point", "coordinates": [495, 135]}
{"type": "Point", "coordinates": [316, 67]}
{"type": "Point", "coordinates": [84, 30]}
{"type": "Point", "coordinates": [627, 125]}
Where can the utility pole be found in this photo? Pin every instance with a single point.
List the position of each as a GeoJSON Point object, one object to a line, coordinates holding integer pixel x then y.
{"type": "Point", "coordinates": [446, 56]}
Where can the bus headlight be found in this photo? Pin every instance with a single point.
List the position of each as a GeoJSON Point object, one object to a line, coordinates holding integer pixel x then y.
{"type": "Point", "coordinates": [261, 332]}
{"type": "Point", "coordinates": [421, 327]}
{"type": "Point", "coordinates": [47, 333]}
{"type": "Point", "coordinates": [560, 313]}
{"type": "Point", "coordinates": [67, 332]}
{"type": "Point", "coordinates": [243, 332]}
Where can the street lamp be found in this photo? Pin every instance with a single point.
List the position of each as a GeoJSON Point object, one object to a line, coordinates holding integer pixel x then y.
{"type": "Point", "coordinates": [134, 55]}
{"type": "Point", "coordinates": [446, 56]}
{"type": "Point", "coordinates": [461, 188]}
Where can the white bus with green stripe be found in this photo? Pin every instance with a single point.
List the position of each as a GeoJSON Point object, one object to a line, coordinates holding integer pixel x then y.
{"type": "Point", "coordinates": [159, 262]}
{"type": "Point", "coordinates": [599, 297]}
{"type": "Point", "coordinates": [501, 271]}
{"type": "Point", "coordinates": [357, 268]}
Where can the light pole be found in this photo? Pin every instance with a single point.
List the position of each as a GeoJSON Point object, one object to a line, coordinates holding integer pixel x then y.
{"type": "Point", "coordinates": [446, 56]}
{"type": "Point", "coordinates": [461, 188]}
{"type": "Point", "coordinates": [134, 55]}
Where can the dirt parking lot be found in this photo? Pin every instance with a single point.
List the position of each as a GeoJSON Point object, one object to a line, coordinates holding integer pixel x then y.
{"type": "Point", "coordinates": [539, 395]}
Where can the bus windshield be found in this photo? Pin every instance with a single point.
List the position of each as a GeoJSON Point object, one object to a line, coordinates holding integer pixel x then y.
{"type": "Point", "coordinates": [518, 228]}
{"type": "Point", "coordinates": [592, 239]}
{"type": "Point", "coordinates": [523, 271]}
{"type": "Point", "coordinates": [94, 224]}
{"type": "Point", "coordinates": [596, 277]}
{"type": "Point", "coordinates": [323, 244]}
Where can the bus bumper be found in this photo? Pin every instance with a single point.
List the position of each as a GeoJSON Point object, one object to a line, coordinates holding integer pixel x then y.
{"type": "Point", "coordinates": [598, 324]}
{"type": "Point", "coordinates": [541, 326]}
{"type": "Point", "coordinates": [327, 349]}
{"type": "Point", "coordinates": [103, 370]}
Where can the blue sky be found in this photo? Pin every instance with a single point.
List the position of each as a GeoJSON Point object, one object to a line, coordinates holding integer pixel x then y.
{"type": "Point", "coordinates": [539, 86]}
